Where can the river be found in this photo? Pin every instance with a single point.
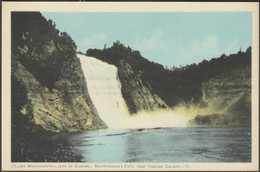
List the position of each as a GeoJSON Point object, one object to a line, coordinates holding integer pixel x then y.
{"type": "Point", "coordinates": [163, 137]}
{"type": "Point", "coordinates": [169, 145]}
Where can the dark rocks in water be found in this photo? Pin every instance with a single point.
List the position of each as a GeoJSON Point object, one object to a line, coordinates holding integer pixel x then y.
{"type": "Point", "coordinates": [140, 129]}
{"type": "Point", "coordinates": [156, 128]}
{"type": "Point", "coordinates": [119, 134]}
{"type": "Point", "coordinates": [209, 119]}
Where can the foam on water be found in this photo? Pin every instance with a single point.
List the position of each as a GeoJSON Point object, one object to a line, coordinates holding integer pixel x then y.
{"type": "Point", "coordinates": [104, 88]}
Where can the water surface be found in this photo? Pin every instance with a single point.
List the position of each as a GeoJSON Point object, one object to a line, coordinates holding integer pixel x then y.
{"type": "Point", "coordinates": [167, 145]}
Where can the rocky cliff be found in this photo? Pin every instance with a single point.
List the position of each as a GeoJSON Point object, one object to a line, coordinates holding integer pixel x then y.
{"type": "Point", "coordinates": [215, 92]}
{"type": "Point", "coordinates": [49, 89]}
{"type": "Point", "coordinates": [48, 86]}
{"type": "Point", "coordinates": [228, 99]}
{"type": "Point", "coordinates": [138, 94]}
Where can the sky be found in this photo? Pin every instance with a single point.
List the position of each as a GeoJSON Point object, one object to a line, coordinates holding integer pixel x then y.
{"type": "Point", "coordinates": [168, 38]}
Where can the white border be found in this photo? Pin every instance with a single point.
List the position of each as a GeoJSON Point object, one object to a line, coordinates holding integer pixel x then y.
{"type": "Point", "coordinates": [7, 7]}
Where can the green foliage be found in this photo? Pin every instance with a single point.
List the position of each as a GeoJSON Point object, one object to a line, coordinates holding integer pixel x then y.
{"type": "Point", "coordinates": [48, 85]}
{"type": "Point", "coordinates": [237, 115]}
{"type": "Point", "coordinates": [185, 82]}
{"type": "Point", "coordinates": [48, 90]}
{"type": "Point", "coordinates": [135, 72]}
{"type": "Point", "coordinates": [177, 84]}
{"type": "Point", "coordinates": [40, 47]}
{"type": "Point", "coordinates": [222, 84]}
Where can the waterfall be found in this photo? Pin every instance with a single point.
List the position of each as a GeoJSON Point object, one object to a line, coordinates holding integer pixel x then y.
{"type": "Point", "coordinates": [104, 89]}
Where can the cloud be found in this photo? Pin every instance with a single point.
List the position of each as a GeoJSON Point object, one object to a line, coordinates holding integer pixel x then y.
{"type": "Point", "coordinates": [93, 41]}
{"type": "Point", "coordinates": [208, 47]}
{"type": "Point", "coordinates": [210, 42]}
{"type": "Point", "coordinates": [233, 46]}
{"type": "Point", "coordinates": [153, 42]}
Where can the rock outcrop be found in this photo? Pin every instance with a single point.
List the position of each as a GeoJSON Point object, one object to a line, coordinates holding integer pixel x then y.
{"type": "Point", "coordinates": [138, 95]}
{"type": "Point", "coordinates": [49, 91]}
{"type": "Point", "coordinates": [218, 91]}
{"type": "Point", "coordinates": [229, 98]}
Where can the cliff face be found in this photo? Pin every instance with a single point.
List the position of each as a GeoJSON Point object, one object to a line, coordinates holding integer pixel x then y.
{"type": "Point", "coordinates": [138, 93]}
{"type": "Point", "coordinates": [48, 86]}
{"type": "Point", "coordinates": [49, 90]}
{"type": "Point", "coordinates": [63, 108]}
{"type": "Point", "coordinates": [228, 96]}
{"type": "Point", "coordinates": [138, 97]}
{"type": "Point", "coordinates": [215, 92]}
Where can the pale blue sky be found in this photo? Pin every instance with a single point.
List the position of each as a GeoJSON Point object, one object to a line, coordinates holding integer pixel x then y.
{"type": "Point", "coordinates": [170, 38]}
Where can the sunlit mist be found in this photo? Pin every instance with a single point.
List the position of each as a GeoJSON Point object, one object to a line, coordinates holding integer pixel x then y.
{"type": "Point", "coordinates": [154, 119]}
{"type": "Point", "coordinates": [104, 89]}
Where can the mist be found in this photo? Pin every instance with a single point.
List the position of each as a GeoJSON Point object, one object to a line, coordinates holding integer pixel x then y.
{"type": "Point", "coordinates": [104, 88]}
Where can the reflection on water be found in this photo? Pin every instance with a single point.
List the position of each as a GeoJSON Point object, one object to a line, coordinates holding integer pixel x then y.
{"type": "Point", "coordinates": [164, 145]}
{"type": "Point", "coordinates": [42, 147]}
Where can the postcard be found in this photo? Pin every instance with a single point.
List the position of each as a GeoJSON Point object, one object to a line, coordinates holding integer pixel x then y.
{"type": "Point", "coordinates": [130, 86]}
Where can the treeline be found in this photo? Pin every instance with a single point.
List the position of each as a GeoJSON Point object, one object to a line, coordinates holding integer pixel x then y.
{"type": "Point", "coordinates": [41, 48]}
{"type": "Point", "coordinates": [185, 83]}
{"type": "Point", "coordinates": [176, 84]}
{"type": "Point", "coordinates": [48, 91]}
{"type": "Point", "coordinates": [134, 74]}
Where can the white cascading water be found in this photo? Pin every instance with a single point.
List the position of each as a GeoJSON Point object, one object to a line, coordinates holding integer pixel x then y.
{"type": "Point", "coordinates": [104, 89]}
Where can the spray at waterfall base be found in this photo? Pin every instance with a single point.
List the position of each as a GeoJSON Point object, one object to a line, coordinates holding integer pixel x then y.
{"type": "Point", "coordinates": [105, 91]}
